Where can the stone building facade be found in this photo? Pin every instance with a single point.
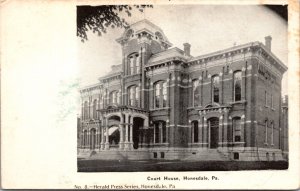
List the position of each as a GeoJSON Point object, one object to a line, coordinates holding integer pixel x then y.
{"type": "Point", "coordinates": [163, 103]}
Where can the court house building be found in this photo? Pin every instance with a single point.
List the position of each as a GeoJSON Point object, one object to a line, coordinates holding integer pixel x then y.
{"type": "Point", "coordinates": [160, 102]}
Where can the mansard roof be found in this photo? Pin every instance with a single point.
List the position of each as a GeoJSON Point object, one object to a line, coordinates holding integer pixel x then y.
{"type": "Point", "coordinates": [144, 26]}
{"type": "Point", "coordinates": [169, 54]}
{"type": "Point", "coordinates": [115, 70]}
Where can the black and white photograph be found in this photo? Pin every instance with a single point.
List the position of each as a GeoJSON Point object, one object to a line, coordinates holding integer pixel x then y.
{"type": "Point", "coordinates": [150, 95]}
{"type": "Point", "coordinates": [182, 87]}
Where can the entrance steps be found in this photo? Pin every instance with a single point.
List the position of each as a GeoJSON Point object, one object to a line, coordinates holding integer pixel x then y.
{"type": "Point", "coordinates": [207, 155]}
{"type": "Point", "coordinates": [84, 154]}
{"type": "Point", "coordinates": [120, 155]}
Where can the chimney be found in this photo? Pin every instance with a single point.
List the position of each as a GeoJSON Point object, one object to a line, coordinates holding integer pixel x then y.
{"type": "Point", "coordinates": [187, 49]}
{"type": "Point", "coordinates": [268, 40]}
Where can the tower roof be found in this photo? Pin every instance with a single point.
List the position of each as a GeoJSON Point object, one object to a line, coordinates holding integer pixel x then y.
{"type": "Point", "coordinates": [144, 26]}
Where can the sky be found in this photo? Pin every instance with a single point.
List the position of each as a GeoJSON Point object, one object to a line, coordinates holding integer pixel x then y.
{"type": "Point", "coordinates": [207, 28]}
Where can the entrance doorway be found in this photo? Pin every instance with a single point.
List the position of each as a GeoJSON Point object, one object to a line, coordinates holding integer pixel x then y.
{"type": "Point", "coordinates": [138, 124]}
{"type": "Point", "coordinates": [214, 132]}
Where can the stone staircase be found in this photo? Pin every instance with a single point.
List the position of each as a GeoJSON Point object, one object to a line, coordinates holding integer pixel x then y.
{"type": "Point", "coordinates": [120, 155]}
{"type": "Point", "coordinates": [84, 154]}
{"type": "Point", "coordinates": [207, 155]}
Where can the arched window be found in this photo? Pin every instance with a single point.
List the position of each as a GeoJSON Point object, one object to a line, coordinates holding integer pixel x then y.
{"type": "Point", "coordinates": [85, 110]}
{"type": "Point", "coordinates": [134, 95]}
{"type": "Point", "coordinates": [215, 89]}
{"type": "Point", "coordinates": [237, 77]}
{"type": "Point", "coordinates": [157, 95]}
{"type": "Point", "coordinates": [237, 129]}
{"type": "Point", "coordinates": [137, 96]}
{"type": "Point", "coordinates": [134, 64]}
{"type": "Point", "coordinates": [137, 63]}
{"type": "Point", "coordinates": [118, 97]}
{"type": "Point", "coordinates": [113, 99]}
{"type": "Point", "coordinates": [131, 65]}
{"type": "Point", "coordinates": [95, 109]}
{"type": "Point", "coordinates": [165, 92]}
{"type": "Point", "coordinates": [196, 93]}
{"type": "Point", "coordinates": [131, 96]}
{"type": "Point", "coordinates": [160, 94]}
{"type": "Point", "coordinates": [195, 131]}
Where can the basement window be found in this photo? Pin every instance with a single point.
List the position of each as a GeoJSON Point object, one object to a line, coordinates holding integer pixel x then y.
{"type": "Point", "coordinates": [162, 155]}
{"type": "Point", "coordinates": [155, 155]}
{"type": "Point", "coordinates": [236, 156]}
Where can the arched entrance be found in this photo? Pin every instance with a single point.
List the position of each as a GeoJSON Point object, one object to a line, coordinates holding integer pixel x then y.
{"type": "Point", "coordinates": [138, 124]}
{"type": "Point", "coordinates": [213, 124]}
{"type": "Point", "coordinates": [114, 136]}
{"type": "Point", "coordinates": [113, 131]}
{"type": "Point", "coordinates": [93, 138]}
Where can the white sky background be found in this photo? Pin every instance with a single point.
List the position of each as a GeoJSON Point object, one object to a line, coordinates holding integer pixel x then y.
{"type": "Point", "coordinates": [207, 28]}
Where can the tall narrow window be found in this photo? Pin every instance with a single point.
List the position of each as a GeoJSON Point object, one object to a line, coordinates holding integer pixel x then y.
{"type": "Point", "coordinates": [131, 65]}
{"type": "Point", "coordinates": [157, 95]}
{"type": "Point", "coordinates": [237, 86]}
{"type": "Point", "coordinates": [266, 98]}
{"type": "Point", "coordinates": [85, 110]}
{"type": "Point", "coordinates": [266, 132]}
{"type": "Point", "coordinates": [156, 132]}
{"type": "Point", "coordinates": [164, 132]}
{"type": "Point", "coordinates": [132, 96]}
{"type": "Point", "coordinates": [137, 62]}
{"type": "Point", "coordinates": [195, 130]}
{"type": "Point", "coordinates": [215, 89]}
{"type": "Point", "coordinates": [165, 92]}
{"type": "Point", "coordinates": [272, 133]}
{"type": "Point", "coordinates": [101, 101]}
{"type": "Point", "coordinates": [272, 103]}
{"type": "Point", "coordinates": [94, 109]}
{"type": "Point", "coordinates": [196, 93]}
{"type": "Point", "coordinates": [85, 138]}
{"type": "Point", "coordinates": [118, 97]}
{"type": "Point", "coordinates": [137, 96]}
{"type": "Point", "coordinates": [236, 122]}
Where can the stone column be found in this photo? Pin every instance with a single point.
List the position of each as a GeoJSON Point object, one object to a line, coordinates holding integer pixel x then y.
{"type": "Point", "coordinates": [200, 131]}
{"type": "Point", "coordinates": [102, 137]}
{"type": "Point", "coordinates": [192, 132]}
{"type": "Point", "coordinates": [221, 88]}
{"type": "Point", "coordinates": [82, 142]}
{"type": "Point", "coordinates": [189, 132]}
{"type": "Point", "coordinates": [154, 132]}
{"type": "Point", "coordinates": [243, 85]}
{"type": "Point", "coordinates": [220, 131]}
{"type": "Point", "coordinates": [205, 133]}
{"type": "Point", "coordinates": [97, 139]}
{"type": "Point", "coordinates": [167, 130]}
{"type": "Point", "coordinates": [131, 133]}
{"type": "Point", "coordinates": [106, 135]}
{"type": "Point", "coordinates": [160, 132]}
{"type": "Point", "coordinates": [230, 133]}
{"type": "Point", "coordinates": [126, 132]}
{"type": "Point", "coordinates": [243, 124]}
{"type": "Point", "coordinates": [121, 143]}
{"type": "Point", "coordinates": [225, 129]}
{"type": "Point", "coordinates": [88, 139]}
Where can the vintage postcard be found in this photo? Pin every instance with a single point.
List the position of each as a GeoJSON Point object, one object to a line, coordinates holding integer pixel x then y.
{"type": "Point", "coordinates": [150, 95]}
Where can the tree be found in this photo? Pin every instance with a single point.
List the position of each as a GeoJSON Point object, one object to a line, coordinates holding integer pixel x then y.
{"type": "Point", "coordinates": [99, 18]}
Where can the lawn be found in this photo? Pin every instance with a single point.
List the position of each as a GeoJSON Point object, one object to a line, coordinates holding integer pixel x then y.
{"type": "Point", "coordinates": [156, 165]}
